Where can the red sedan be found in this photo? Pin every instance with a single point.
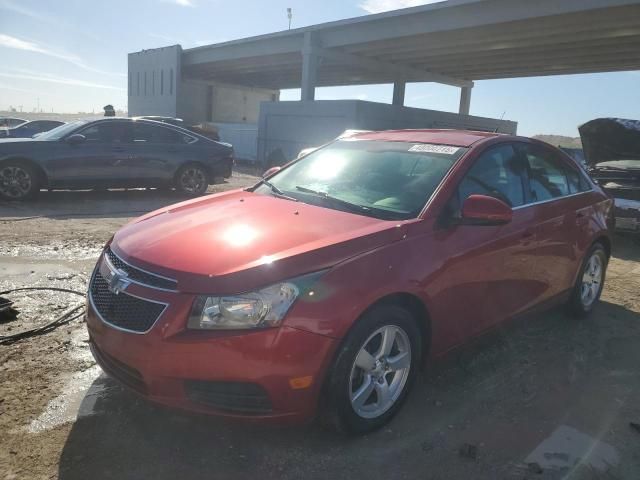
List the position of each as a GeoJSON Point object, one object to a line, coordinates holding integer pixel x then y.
{"type": "Point", "coordinates": [325, 287]}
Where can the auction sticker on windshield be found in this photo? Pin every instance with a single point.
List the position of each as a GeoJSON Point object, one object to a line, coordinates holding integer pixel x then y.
{"type": "Point", "coordinates": [429, 148]}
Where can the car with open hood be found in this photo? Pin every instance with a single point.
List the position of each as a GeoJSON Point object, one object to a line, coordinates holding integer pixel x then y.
{"type": "Point", "coordinates": [324, 288]}
{"type": "Point", "coordinates": [612, 152]}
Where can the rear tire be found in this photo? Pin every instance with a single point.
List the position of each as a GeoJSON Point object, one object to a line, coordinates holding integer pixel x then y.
{"type": "Point", "coordinates": [18, 181]}
{"type": "Point", "coordinates": [191, 180]}
{"type": "Point", "coordinates": [588, 287]}
{"type": "Point", "coordinates": [369, 382]}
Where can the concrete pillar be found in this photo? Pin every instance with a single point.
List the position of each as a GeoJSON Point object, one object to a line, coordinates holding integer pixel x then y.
{"type": "Point", "coordinates": [465, 100]}
{"type": "Point", "coordinates": [398, 93]}
{"type": "Point", "coordinates": [309, 69]}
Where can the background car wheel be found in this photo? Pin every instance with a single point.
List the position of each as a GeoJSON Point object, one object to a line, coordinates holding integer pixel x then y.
{"type": "Point", "coordinates": [18, 181]}
{"type": "Point", "coordinates": [373, 371]}
{"type": "Point", "coordinates": [590, 281]}
{"type": "Point", "coordinates": [192, 180]}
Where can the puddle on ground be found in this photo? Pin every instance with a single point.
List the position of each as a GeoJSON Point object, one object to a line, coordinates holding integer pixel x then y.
{"type": "Point", "coordinates": [567, 447]}
{"type": "Point", "coordinates": [80, 393]}
{"type": "Point", "coordinates": [53, 251]}
{"type": "Point", "coordinates": [18, 267]}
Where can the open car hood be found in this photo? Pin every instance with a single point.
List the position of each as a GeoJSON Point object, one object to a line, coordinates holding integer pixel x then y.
{"type": "Point", "coordinates": [611, 143]}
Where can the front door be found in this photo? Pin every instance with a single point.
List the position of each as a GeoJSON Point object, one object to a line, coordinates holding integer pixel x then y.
{"type": "Point", "coordinates": [100, 160]}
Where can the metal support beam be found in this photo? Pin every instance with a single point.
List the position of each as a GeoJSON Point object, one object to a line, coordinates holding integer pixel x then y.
{"type": "Point", "coordinates": [309, 68]}
{"type": "Point", "coordinates": [465, 100]}
{"type": "Point", "coordinates": [398, 93]}
{"type": "Point", "coordinates": [402, 72]}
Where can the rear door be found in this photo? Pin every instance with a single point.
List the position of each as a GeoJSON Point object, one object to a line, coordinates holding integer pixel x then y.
{"type": "Point", "coordinates": [488, 275]}
{"type": "Point", "coordinates": [158, 151]}
{"type": "Point", "coordinates": [561, 214]}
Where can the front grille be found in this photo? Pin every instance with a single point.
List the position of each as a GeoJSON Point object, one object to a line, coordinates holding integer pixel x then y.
{"type": "Point", "coordinates": [118, 370]}
{"type": "Point", "coordinates": [122, 310]}
{"type": "Point", "coordinates": [235, 397]}
{"type": "Point", "coordinates": [140, 276]}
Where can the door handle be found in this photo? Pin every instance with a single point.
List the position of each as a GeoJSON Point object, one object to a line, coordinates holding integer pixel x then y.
{"type": "Point", "coordinates": [580, 215]}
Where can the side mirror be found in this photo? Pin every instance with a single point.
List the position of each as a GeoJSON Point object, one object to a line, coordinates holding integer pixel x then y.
{"type": "Point", "coordinates": [270, 172]}
{"type": "Point", "coordinates": [485, 210]}
{"type": "Point", "coordinates": [75, 139]}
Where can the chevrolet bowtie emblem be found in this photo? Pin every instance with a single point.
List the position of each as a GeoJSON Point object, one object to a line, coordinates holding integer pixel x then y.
{"type": "Point", "coordinates": [117, 279]}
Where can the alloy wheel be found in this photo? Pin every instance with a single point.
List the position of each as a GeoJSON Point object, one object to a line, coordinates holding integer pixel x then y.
{"type": "Point", "coordinates": [591, 280]}
{"type": "Point", "coordinates": [15, 182]}
{"type": "Point", "coordinates": [380, 371]}
{"type": "Point", "coordinates": [193, 180]}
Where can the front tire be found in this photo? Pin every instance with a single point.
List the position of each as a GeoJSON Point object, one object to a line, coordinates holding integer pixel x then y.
{"type": "Point", "coordinates": [18, 181]}
{"type": "Point", "coordinates": [192, 180]}
{"type": "Point", "coordinates": [373, 371]}
{"type": "Point", "coordinates": [588, 288]}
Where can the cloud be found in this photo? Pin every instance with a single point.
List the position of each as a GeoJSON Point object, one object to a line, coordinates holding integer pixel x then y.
{"type": "Point", "coordinates": [377, 6]}
{"type": "Point", "coordinates": [38, 77]}
{"type": "Point", "coordinates": [22, 10]}
{"type": "Point", "coordinates": [181, 3]}
{"type": "Point", "coordinates": [6, 86]}
{"type": "Point", "coordinates": [40, 16]}
{"type": "Point", "coordinates": [8, 41]}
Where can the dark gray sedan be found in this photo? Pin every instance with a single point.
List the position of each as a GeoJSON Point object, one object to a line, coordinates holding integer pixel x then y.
{"type": "Point", "coordinates": [112, 153]}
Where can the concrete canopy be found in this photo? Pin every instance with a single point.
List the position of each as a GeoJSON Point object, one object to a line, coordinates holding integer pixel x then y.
{"type": "Point", "coordinates": [452, 42]}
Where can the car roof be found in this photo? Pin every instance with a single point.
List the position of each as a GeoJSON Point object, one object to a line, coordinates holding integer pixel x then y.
{"type": "Point", "coordinates": [458, 138]}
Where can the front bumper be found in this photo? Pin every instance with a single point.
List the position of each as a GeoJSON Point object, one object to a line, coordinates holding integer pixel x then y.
{"type": "Point", "coordinates": [251, 374]}
{"type": "Point", "coordinates": [627, 213]}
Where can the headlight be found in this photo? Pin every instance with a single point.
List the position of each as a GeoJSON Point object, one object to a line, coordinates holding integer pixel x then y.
{"type": "Point", "coordinates": [263, 308]}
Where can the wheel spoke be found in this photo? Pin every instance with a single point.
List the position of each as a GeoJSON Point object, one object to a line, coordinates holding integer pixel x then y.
{"type": "Point", "coordinates": [365, 360]}
{"type": "Point", "coordinates": [388, 338]}
{"type": "Point", "coordinates": [400, 361]}
{"type": "Point", "coordinates": [363, 393]}
{"type": "Point", "coordinates": [383, 392]}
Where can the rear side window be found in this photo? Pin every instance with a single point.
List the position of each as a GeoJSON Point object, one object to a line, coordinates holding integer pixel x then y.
{"type": "Point", "coordinates": [496, 173]}
{"type": "Point", "coordinates": [547, 174]}
{"type": "Point", "coordinates": [577, 181]}
{"type": "Point", "coordinates": [144, 133]}
{"type": "Point", "coordinates": [573, 178]}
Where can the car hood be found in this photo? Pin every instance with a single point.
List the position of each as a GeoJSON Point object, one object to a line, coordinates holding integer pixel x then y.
{"type": "Point", "coordinates": [611, 142]}
{"type": "Point", "coordinates": [238, 241]}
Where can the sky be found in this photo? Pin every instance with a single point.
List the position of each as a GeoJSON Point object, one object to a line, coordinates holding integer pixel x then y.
{"type": "Point", "coordinates": [71, 56]}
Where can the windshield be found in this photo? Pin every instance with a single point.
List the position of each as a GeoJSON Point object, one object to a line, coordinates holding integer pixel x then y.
{"type": "Point", "coordinates": [61, 131]}
{"type": "Point", "coordinates": [391, 180]}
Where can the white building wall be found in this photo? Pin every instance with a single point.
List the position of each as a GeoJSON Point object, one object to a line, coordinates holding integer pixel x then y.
{"type": "Point", "coordinates": [153, 81]}
{"type": "Point", "coordinates": [156, 87]}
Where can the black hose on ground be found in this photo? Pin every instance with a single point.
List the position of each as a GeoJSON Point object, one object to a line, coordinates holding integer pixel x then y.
{"type": "Point", "coordinates": [66, 317]}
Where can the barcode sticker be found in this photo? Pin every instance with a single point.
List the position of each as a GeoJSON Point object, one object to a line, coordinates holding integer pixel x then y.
{"type": "Point", "coordinates": [429, 148]}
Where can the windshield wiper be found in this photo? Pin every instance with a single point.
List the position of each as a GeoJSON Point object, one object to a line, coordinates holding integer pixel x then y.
{"type": "Point", "coordinates": [352, 206]}
{"type": "Point", "coordinates": [277, 192]}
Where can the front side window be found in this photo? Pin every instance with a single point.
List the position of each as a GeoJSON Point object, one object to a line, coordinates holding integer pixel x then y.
{"type": "Point", "coordinates": [547, 175]}
{"type": "Point", "coordinates": [391, 180]}
{"type": "Point", "coordinates": [498, 173]}
{"type": "Point", "coordinates": [62, 131]}
{"type": "Point", "coordinates": [107, 132]}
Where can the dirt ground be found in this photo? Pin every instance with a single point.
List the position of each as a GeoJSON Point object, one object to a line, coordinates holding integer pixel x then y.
{"type": "Point", "coordinates": [544, 397]}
